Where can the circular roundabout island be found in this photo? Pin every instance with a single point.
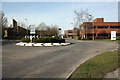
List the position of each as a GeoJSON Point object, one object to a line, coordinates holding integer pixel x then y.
{"type": "Point", "coordinates": [44, 41]}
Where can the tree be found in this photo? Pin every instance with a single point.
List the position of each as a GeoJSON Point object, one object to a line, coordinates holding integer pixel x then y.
{"type": "Point", "coordinates": [42, 27]}
{"type": "Point", "coordinates": [3, 20]}
{"type": "Point", "coordinates": [3, 23]}
{"type": "Point", "coordinates": [80, 17]}
{"type": "Point", "coordinates": [54, 30]}
{"type": "Point", "coordinates": [45, 30]}
{"type": "Point", "coordinates": [21, 24]}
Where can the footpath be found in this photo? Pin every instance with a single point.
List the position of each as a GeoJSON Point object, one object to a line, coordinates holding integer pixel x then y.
{"type": "Point", "coordinates": [113, 74]}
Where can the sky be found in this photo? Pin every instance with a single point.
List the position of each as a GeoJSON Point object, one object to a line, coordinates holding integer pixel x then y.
{"type": "Point", "coordinates": [61, 0]}
{"type": "Point", "coordinates": [59, 13]}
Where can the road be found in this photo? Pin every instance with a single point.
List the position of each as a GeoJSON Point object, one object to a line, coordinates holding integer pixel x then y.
{"type": "Point", "coordinates": [49, 62]}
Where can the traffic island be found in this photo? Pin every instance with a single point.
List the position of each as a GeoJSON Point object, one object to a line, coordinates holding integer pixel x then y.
{"type": "Point", "coordinates": [44, 41]}
{"type": "Point", "coordinates": [42, 44]}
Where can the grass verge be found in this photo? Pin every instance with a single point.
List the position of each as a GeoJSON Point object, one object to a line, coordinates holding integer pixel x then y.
{"type": "Point", "coordinates": [103, 40]}
{"type": "Point", "coordinates": [97, 66]}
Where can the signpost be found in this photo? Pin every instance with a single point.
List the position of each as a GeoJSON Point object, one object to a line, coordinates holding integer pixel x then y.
{"type": "Point", "coordinates": [113, 35]}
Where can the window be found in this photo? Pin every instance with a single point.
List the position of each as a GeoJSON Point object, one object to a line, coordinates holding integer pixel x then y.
{"type": "Point", "coordinates": [94, 26]}
{"type": "Point", "coordinates": [70, 32]}
{"type": "Point", "coordinates": [118, 35]}
{"type": "Point", "coordinates": [90, 34]}
{"type": "Point", "coordinates": [103, 34]}
{"type": "Point", "coordinates": [102, 26]}
{"type": "Point", "coordinates": [91, 27]}
{"type": "Point", "coordinates": [114, 26]}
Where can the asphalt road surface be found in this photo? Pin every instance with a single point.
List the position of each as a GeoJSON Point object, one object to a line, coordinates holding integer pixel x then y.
{"type": "Point", "coordinates": [49, 62]}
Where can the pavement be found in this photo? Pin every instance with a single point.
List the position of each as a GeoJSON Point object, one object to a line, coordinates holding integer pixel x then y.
{"type": "Point", "coordinates": [113, 74]}
{"type": "Point", "coordinates": [0, 58]}
{"type": "Point", "coordinates": [49, 62]}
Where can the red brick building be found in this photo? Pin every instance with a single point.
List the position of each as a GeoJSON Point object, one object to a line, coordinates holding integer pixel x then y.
{"type": "Point", "coordinates": [72, 33]}
{"type": "Point", "coordinates": [98, 29]}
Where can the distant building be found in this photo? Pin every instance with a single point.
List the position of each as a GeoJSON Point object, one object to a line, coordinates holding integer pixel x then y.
{"type": "Point", "coordinates": [16, 32]}
{"type": "Point", "coordinates": [98, 29]}
{"type": "Point", "coordinates": [72, 33]}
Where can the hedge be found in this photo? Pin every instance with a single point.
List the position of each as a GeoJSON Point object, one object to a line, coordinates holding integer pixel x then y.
{"type": "Point", "coordinates": [48, 40]}
{"type": "Point", "coordinates": [118, 38]}
{"type": "Point", "coordinates": [25, 40]}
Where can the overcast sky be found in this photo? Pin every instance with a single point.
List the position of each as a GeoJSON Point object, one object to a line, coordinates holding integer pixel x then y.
{"type": "Point", "coordinates": [59, 13]}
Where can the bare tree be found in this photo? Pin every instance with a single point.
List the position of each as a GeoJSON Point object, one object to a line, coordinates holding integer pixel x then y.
{"type": "Point", "coordinates": [21, 24]}
{"type": "Point", "coordinates": [3, 23]}
{"type": "Point", "coordinates": [3, 20]}
{"type": "Point", "coordinates": [45, 30]}
{"type": "Point", "coordinates": [42, 27]}
{"type": "Point", "coordinates": [54, 30]}
{"type": "Point", "coordinates": [80, 17]}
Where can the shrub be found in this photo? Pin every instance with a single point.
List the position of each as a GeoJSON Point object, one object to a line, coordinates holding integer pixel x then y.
{"type": "Point", "coordinates": [34, 39]}
{"type": "Point", "coordinates": [49, 40]}
{"type": "Point", "coordinates": [77, 37]}
{"type": "Point", "coordinates": [118, 38]}
{"type": "Point", "coordinates": [25, 40]}
{"type": "Point", "coordinates": [62, 41]}
{"type": "Point", "coordinates": [90, 38]}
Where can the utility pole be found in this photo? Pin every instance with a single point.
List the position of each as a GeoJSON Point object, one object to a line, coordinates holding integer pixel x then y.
{"type": "Point", "coordinates": [93, 31]}
{"type": "Point", "coordinates": [27, 27]}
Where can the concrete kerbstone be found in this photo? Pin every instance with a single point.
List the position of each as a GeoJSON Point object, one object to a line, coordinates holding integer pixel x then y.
{"type": "Point", "coordinates": [42, 44]}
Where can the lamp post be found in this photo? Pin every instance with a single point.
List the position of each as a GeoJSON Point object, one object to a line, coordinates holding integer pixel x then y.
{"type": "Point", "coordinates": [89, 18]}
{"type": "Point", "coordinates": [27, 27]}
{"type": "Point", "coordinates": [59, 32]}
{"type": "Point", "coordinates": [93, 31]}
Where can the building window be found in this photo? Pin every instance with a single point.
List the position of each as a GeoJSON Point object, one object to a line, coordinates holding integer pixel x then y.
{"type": "Point", "coordinates": [102, 26]}
{"type": "Point", "coordinates": [103, 34]}
{"type": "Point", "coordinates": [118, 35]}
{"type": "Point", "coordinates": [90, 34]}
{"type": "Point", "coordinates": [70, 32]}
{"type": "Point", "coordinates": [114, 26]}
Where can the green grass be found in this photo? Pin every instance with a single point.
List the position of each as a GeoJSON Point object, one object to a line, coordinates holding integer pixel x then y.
{"type": "Point", "coordinates": [105, 40]}
{"type": "Point", "coordinates": [97, 66]}
{"type": "Point", "coordinates": [102, 40]}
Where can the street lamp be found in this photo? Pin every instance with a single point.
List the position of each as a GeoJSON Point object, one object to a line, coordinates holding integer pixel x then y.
{"type": "Point", "coordinates": [27, 26]}
{"type": "Point", "coordinates": [26, 22]}
{"type": "Point", "coordinates": [59, 32]}
{"type": "Point", "coordinates": [93, 31]}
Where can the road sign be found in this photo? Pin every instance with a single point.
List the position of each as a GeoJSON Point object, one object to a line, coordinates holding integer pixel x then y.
{"type": "Point", "coordinates": [113, 35]}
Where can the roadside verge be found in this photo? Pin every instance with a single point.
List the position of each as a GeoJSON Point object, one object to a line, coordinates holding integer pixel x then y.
{"type": "Point", "coordinates": [98, 66]}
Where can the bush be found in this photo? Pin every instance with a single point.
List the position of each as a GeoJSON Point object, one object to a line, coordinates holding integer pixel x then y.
{"type": "Point", "coordinates": [62, 41]}
{"type": "Point", "coordinates": [49, 40]}
{"type": "Point", "coordinates": [77, 37]}
{"type": "Point", "coordinates": [34, 39]}
{"type": "Point", "coordinates": [90, 38]}
{"type": "Point", "coordinates": [25, 40]}
{"type": "Point", "coordinates": [118, 38]}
